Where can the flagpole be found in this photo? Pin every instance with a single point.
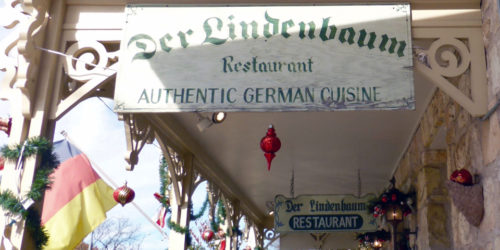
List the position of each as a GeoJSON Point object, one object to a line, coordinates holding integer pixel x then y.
{"type": "Point", "coordinates": [65, 134]}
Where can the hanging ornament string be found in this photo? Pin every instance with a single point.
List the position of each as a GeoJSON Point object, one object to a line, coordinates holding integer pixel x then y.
{"type": "Point", "coordinates": [359, 183]}
{"type": "Point", "coordinates": [292, 183]}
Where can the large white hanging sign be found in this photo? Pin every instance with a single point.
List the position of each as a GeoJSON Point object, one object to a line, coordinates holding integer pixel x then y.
{"type": "Point", "coordinates": [266, 58]}
{"type": "Point", "coordinates": [323, 213]}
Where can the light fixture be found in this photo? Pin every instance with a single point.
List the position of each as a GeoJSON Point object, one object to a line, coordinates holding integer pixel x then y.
{"type": "Point", "coordinates": [205, 122]}
{"type": "Point", "coordinates": [218, 117]}
{"type": "Point", "coordinates": [270, 207]}
{"type": "Point", "coordinates": [373, 240]}
{"type": "Point", "coordinates": [394, 213]}
{"type": "Point", "coordinates": [377, 244]}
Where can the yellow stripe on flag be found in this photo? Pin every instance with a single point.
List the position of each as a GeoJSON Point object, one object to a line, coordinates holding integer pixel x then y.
{"type": "Point", "coordinates": [69, 226]}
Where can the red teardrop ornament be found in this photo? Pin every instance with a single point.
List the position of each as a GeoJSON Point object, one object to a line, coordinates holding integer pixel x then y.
{"type": "Point", "coordinates": [270, 144]}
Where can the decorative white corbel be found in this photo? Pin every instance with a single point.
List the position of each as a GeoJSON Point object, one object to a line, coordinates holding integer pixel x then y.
{"type": "Point", "coordinates": [31, 35]}
{"type": "Point", "coordinates": [138, 132]}
{"type": "Point", "coordinates": [452, 52]}
{"type": "Point", "coordinates": [78, 57]}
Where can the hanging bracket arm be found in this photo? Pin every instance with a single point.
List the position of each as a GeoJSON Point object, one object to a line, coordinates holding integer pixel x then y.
{"type": "Point", "coordinates": [451, 54]}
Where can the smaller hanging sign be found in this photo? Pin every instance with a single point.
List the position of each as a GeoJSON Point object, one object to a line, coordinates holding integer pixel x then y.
{"type": "Point", "coordinates": [323, 213]}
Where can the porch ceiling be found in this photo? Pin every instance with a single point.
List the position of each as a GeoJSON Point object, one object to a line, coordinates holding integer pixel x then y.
{"type": "Point", "coordinates": [325, 149]}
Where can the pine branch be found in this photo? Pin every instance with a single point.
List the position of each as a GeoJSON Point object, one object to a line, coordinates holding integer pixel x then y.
{"type": "Point", "coordinates": [48, 163]}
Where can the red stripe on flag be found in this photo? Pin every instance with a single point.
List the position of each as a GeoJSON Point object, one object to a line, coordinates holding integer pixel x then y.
{"type": "Point", "coordinates": [161, 217]}
{"type": "Point", "coordinates": [70, 178]}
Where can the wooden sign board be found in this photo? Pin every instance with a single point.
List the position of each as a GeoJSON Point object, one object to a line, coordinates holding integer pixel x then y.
{"type": "Point", "coordinates": [265, 58]}
{"type": "Point", "coordinates": [323, 213]}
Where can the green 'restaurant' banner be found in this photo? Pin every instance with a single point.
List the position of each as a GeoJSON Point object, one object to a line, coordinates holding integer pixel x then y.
{"type": "Point", "coordinates": [265, 58]}
{"type": "Point", "coordinates": [323, 213]}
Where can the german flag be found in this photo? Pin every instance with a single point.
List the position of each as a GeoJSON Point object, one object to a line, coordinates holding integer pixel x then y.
{"type": "Point", "coordinates": [77, 201]}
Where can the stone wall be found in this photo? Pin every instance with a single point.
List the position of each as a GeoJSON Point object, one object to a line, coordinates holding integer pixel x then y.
{"type": "Point", "coordinates": [471, 144]}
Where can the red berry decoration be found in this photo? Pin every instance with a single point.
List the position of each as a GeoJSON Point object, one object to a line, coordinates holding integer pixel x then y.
{"type": "Point", "coordinates": [270, 144]}
{"type": "Point", "coordinates": [463, 177]}
{"type": "Point", "coordinates": [384, 198]}
{"type": "Point", "coordinates": [207, 235]}
{"type": "Point", "coordinates": [123, 194]}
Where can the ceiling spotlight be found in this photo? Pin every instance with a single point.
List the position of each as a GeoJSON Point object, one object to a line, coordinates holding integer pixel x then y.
{"type": "Point", "coordinates": [205, 122]}
{"type": "Point", "coordinates": [218, 117]}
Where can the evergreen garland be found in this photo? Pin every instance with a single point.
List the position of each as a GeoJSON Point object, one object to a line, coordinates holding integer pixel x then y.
{"type": "Point", "coordinates": [176, 227]}
{"type": "Point", "coordinates": [201, 212]}
{"type": "Point", "coordinates": [163, 182]}
{"type": "Point", "coordinates": [48, 163]}
{"type": "Point", "coordinates": [220, 217]}
{"type": "Point", "coordinates": [163, 169]}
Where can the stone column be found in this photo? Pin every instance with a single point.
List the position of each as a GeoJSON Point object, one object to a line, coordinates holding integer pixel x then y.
{"type": "Point", "coordinates": [432, 202]}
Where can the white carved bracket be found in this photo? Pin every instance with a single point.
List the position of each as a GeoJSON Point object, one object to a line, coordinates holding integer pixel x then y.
{"type": "Point", "coordinates": [271, 236]}
{"type": "Point", "coordinates": [88, 63]}
{"type": "Point", "coordinates": [22, 71]}
{"type": "Point", "coordinates": [453, 52]}
{"type": "Point", "coordinates": [138, 132]}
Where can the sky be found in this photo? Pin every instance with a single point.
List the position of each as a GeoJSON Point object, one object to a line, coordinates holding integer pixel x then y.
{"type": "Point", "coordinates": [95, 129]}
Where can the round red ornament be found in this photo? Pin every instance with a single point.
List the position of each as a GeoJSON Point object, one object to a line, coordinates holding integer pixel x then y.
{"type": "Point", "coordinates": [207, 235]}
{"type": "Point", "coordinates": [123, 194]}
{"type": "Point", "coordinates": [270, 144]}
{"type": "Point", "coordinates": [453, 176]}
{"type": "Point", "coordinates": [384, 198]}
{"type": "Point", "coordinates": [462, 176]}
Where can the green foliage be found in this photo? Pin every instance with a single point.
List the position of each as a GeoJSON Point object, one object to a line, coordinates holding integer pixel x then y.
{"type": "Point", "coordinates": [163, 170]}
{"type": "Point", "coordinates": [48, 163]}
{"type": "Point", "coordinates": [201, 212]}
{"type": "Point", "coordinates": [164, 182]}
{"type": "Point", "coordinates": [34, 225]}
{"type": "Point", "coordinates": [10, 203]}
{"type": "Point", "coordinates": [41, 183]}
{"type": "Point", "coordinates": [176, 227]}
{"type": "Point", "coordinates": [220, 217]}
